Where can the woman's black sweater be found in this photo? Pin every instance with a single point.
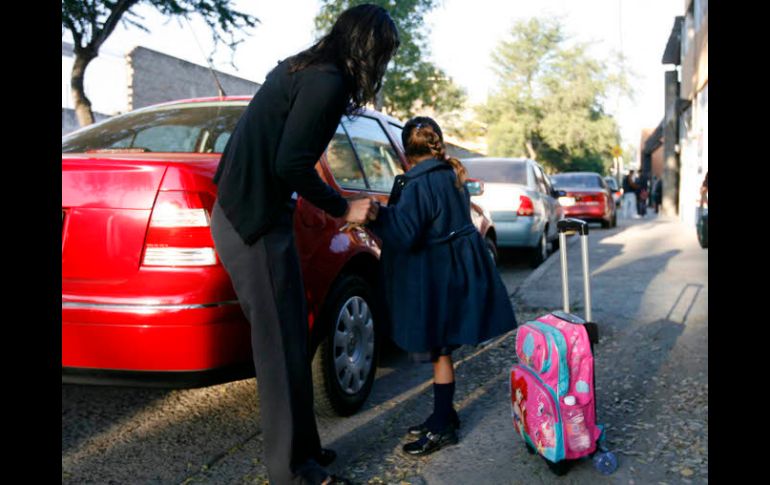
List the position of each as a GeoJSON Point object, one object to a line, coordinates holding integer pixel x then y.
{"type": "Point", "coordinates": [274, 147]}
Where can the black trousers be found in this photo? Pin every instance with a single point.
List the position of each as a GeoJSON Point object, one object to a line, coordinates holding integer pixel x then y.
{"type": "Point", "coordinates": [267, 279]}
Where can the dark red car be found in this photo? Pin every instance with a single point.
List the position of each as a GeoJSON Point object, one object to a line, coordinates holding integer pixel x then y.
{"type": "Point", "coordinates": [586, 197]}
{"type": "Point", "coordinates": [145, 300]}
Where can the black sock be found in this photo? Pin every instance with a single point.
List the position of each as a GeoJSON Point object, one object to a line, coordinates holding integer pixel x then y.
{"type": "Point", "coordinates": [443, 411]}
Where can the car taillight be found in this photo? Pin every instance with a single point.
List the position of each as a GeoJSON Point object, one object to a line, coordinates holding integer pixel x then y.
{"type": "Point", "coordinates": [525, 206]}
{"type": "Point", "coordinates": [179, 232]}
{"type": "Point", "coordinates": [592, 199]}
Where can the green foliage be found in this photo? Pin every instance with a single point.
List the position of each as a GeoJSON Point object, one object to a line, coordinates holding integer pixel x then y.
{"type": "Point", "coordinates": [549, 105]}
{"type": "Point", "coordinates": [92, 21]}
{"type": "Point", "coordinates": [411, 83]}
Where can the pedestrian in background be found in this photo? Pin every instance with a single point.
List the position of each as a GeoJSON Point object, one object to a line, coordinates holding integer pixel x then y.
{"type": "Point", "coordinates": [657, 194]}
{"type": "Point", "coordinates": [272, 153]}
{"type": "Point", "coordinates": [629, 195]}
{"type": "Point", "coordinates": [442, 286]}
{"type": "Point", "coordinates": [642, 194]}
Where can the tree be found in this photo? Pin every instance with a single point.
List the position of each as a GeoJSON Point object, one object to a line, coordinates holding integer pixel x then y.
{"type": "Point", "coordinates": [411, 83]}
{"type": "Point", "coordinates": [549, 105]}
{"type": "Point", "coordinates": [92, 21]}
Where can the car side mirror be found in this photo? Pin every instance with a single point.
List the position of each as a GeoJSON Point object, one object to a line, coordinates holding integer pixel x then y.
{"type": "Point", "coordinates": [474, 186]}
{"type": "Point", "coordinates": [558, 193]}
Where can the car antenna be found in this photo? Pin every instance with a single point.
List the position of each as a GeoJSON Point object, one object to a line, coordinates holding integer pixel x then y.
{"type": "Point", "coordinates": [208, 61]}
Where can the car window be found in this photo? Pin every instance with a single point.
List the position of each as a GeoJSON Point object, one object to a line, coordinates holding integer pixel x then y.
{"type": "Point", "coordinates": [397, 131]}
{"type": "Point", "coordinates": [546, 181]}
{"type": "Point", "coordinates": [168, 138]}
{"type": "Point", "coordinates": [343, 163]}
{"type": "Point", "coordinates": [539, 180]}
{"type": "Point", "coordinates": [498, 171]}
{"type": "Point", "coordinates": [378, 157]}
{"type": "Point", "coordinates": [219, 145]}
{"type": "Point", "coordinates": [173, 128]}
{"type": "Point", "coordinates": [575, 180]}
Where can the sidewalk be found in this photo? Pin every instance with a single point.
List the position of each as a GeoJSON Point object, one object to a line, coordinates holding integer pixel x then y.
{"type": "Point", "coordinates": [650, 298]}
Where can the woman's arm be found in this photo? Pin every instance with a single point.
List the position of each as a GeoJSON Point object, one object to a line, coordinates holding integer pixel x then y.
{"type": "Point", "coordinates": [403, 224]}
{"type": "Point", "coordinates": [310, 125]}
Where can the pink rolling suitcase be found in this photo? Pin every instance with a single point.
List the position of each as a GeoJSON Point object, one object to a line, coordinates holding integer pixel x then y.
{"type": "Point", "coordinates": [553, 402]}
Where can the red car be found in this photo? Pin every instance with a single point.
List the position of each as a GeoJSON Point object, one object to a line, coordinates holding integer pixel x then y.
{"type": "Point", "coordinates": [145, 300]}
{"type": "Point", "coordinates": [586, 196]}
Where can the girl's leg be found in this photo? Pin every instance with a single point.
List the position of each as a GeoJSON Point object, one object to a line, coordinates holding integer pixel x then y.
{"type": "Point", "coordinates": [443, 370]}
{"type": "Point", "coordinates": [443, 394]}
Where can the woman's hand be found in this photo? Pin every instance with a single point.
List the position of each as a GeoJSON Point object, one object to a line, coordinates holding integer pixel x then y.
{"type": "Point", "coordinates": [361, 210]}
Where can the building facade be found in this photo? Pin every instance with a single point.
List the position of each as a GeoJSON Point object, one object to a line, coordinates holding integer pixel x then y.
{"type": "Point", "coordinates": [686, 114]}
{"type": "Point", "coordinates": [693, 121]}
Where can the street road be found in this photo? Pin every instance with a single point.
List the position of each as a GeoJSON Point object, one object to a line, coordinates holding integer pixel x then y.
{"type": "Point", "coordinates": [212, 435]}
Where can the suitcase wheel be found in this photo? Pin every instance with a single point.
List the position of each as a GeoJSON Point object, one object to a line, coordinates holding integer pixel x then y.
{"type": "Point", "coordinates": [606, 462]}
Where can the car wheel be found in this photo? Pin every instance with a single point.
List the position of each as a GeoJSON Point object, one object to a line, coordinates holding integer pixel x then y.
{"type": "Point", "coordinates": [491, 249]}
{"type": "Point", "coordinates": [605, 224]}
{"type": "Point", "coordinates": [540, 252]}
{"type": "Point", "coordinates": [345, 362]}
{"type": "Point", "coordinates": [614, 219]}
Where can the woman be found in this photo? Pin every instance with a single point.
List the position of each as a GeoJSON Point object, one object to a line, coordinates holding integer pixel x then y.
{"type": "Point", "coordinates": [271, 154]}
{"type": "Point", "coordinates": [441, 284]}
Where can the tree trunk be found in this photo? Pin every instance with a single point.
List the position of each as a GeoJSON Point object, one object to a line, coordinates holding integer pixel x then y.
{"type": "Point", "coordinates": [379, 100]}
{"type": "Point", "coordinates": [531, 150]}
{"type": "Point", "coordinates": [82, 103]}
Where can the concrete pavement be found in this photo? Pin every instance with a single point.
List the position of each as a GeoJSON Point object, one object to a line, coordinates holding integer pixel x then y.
{"type": "Point", "coordinates": [650, 298]}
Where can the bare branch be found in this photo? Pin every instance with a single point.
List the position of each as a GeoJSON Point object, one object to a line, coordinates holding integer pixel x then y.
{"type": "Point", "coordinates": [112, 21]}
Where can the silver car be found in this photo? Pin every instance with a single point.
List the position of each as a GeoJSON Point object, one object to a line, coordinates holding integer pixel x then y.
{"type": "Point", "coordinates": [521, 201]}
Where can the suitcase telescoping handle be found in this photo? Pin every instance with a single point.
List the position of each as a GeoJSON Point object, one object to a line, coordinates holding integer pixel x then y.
{"type": "Point", "coordinates": [581, 227]}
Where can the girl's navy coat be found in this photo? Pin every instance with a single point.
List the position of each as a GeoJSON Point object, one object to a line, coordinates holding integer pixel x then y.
{"type": "Point", "coordinates": [441, 284]}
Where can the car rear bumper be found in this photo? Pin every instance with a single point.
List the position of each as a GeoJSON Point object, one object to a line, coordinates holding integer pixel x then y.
{"type": "Point", "coordinates": [586, 212]}
{"type": "Point", "coordinates": [152, 338]}
{"type": "Point", "coordinates": [160, 379]}
{"type": "Point", "coordinates": [522, 231]}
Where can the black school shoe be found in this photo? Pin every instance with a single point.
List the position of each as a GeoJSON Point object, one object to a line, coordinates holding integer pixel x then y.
{"type": "Point", "coordinates": [421, 429]}
{"type": "Point", "coordinates": [432, 442]}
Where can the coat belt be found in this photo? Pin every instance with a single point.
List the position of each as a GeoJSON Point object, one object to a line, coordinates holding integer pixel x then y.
{"type": "Point", "coordinates": [463, 231]}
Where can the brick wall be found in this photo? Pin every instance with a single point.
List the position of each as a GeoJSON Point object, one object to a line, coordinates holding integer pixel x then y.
{"type": "Point", "coordinates": [154, 77]}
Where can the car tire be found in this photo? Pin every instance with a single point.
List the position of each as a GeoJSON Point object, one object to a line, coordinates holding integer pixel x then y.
{"type": "Point", "coordinates": [555, 244]}
{"type": "Point", "coordinates": [614, 219]}
{"type": "Point", "coordinates": [605, 224]}
{"type": "Point", "coordinates": [491, 249]}
{"type": "Point", "coordinates": [342, 383]}
{"type": "Point", "coordinates": [539, 253]}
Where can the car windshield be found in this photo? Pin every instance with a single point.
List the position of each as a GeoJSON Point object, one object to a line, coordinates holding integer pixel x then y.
{"type": "Point", "coordinates": [180, 128]}
{"type": "Point", "coordinates": [611, 183]}
{"type": "Point", "coordinates": [584, 181]}
{"type": "Point", "coordinates": [498, 172]}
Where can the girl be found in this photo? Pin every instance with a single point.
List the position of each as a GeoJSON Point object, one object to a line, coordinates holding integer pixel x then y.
{"type": "Point", "coordinates": [271, 154]}
{"type": "Point", "coordinates": [442, 287]}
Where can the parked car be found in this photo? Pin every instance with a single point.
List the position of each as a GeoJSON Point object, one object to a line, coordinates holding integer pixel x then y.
{"type": "Point", "coordinates": [586, 196]}
{"type": "Point", "coordinates": [145, 299]}
{"type": "Point", "coordinates": [521, 203]}
{"type": "Point", "coordinates": [617, 192]}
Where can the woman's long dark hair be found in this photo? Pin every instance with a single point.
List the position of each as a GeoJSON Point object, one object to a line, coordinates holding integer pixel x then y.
{"type": "Point", "coordinates": [361, 43]}
{"type": "Point", "coordinates": [422, 136]}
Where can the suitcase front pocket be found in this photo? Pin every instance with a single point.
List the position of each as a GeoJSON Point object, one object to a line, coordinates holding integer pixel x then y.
{"type": "Point", "coordinates": [533, 348]}
{"type": "Point", "coordinates": [536, 416]}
